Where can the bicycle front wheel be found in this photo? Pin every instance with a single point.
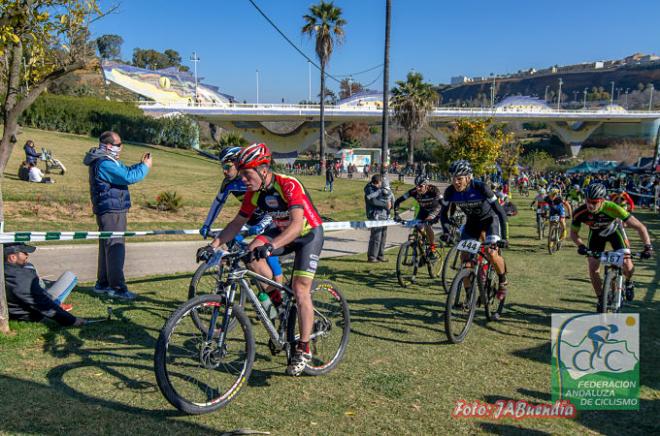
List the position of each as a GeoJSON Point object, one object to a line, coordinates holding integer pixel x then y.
{"type": "Point", "coordinates": [461, 306]}
{"type": "Point", "coordinates": [332, 326]}
{"type": "Point", "coordinates": [195, 371]}
{"type": "Point", "coordinates": [407, 264]}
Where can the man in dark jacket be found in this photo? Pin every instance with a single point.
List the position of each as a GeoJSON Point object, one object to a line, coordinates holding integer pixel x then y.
{"type": "Point", "coordinates": [27, 299]}
{"type": "Point", "coordinates": [329, 176]}
{"type": "Point", "coordinates": [108, 184]}
{"type": "Point", "coordinates": [378, 200]}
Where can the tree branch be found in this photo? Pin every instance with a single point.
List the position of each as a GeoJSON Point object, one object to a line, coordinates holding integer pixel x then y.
{"type": "Point", "coordinates": [41, 87]}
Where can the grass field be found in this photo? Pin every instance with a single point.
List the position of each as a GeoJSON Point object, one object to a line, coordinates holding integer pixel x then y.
{"type": "Point", "coordinates": [399, 376]}
{"type": "Point", "coordinates": [65, 205]}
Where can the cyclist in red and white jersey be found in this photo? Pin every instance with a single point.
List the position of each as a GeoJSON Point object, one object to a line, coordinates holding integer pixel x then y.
{"type": "Point", "coordinates": [298, 229]}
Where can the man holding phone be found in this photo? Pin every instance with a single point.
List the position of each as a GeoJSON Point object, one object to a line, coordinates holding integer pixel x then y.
{"type": "Point", "coordinates": [108, 184]}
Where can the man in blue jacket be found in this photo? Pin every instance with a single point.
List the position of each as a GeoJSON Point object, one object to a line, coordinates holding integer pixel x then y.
{"type": "Point", "coordinates": [108, 184]}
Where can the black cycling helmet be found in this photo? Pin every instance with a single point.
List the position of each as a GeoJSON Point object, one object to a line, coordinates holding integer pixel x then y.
{"type": "Point", "coordinates": [229, 154]}
{"type": "Point", "coordinates": [422, 179]}
{"type": "Point", "coordinates": [460, 168]}
{"type": "Point", "coordinates": [595, 191]}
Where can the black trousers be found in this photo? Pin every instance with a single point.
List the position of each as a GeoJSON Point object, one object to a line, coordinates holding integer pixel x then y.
{"type": "Point", "coordinates": [112, 252]}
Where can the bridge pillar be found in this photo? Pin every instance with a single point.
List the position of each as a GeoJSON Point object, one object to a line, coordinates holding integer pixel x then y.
{"type": "Point", "coordinates": [573, 135]}
{"type": "Point", "coordinates": [279, 136]}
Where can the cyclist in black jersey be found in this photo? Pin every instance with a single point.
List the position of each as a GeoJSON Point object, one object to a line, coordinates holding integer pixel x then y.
{"type": "Point", "coordinates": [484, 214]}
{"type": "Point", "coordinates": [429, 199]}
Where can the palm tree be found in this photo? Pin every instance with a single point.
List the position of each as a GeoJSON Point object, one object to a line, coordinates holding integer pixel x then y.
{"type": "Point", "coordinates": [324, 22]}
{"type": "Point", "coordinates": [412, 100]}
{"type": "Point", "coordinates": [231, 139]}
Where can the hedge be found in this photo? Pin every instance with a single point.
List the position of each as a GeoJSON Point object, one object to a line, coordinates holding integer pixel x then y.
{"type": "Point", "coordinates": [92, 116]}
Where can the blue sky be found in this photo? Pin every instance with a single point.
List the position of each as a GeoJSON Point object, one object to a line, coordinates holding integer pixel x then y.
{"type": "Point", "coordinates": [439, 38]}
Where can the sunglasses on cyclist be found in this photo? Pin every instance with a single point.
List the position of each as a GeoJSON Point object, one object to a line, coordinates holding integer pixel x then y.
{"type": "Point", "coordinates": [596, 201]}
{"type": "Point", "coordinates": [227, 166]}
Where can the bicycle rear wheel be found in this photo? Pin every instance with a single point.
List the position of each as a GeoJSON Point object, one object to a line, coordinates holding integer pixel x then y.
{"type": "Point", "coordinates": [407, 263]}
{"type": "Point", "coordinates": [461, 306]}
{"type": "Point", "coordinates": [195, 373]}
{"type": "Point", "coordinates": [450, 267]}
{"type": "Point", "coordinates": [332, 326]}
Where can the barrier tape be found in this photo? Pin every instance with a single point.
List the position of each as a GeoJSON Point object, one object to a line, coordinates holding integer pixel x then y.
{"type": "Point", "coordinates": [79, 236]}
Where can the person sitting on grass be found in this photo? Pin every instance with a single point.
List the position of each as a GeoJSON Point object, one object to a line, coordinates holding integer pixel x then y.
{"type": "Point", "coordinates": [36, 176]}
{"type": "Point", "coordinates": [27, 298]}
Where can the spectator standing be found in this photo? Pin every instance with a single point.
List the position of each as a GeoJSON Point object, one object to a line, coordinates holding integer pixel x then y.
{"type": "Point", "coordinates": [329, 176]}
{"type": "Point", "coordinates": [27, 299]}
{"type": "Point", "coordinates": [108, 183]}
{"type": "Point", "coordinates": [378, 200]}
{"type": "Point", "coordinates": [31, 153]}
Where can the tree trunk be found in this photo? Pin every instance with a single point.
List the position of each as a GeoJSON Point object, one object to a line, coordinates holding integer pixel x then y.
{"type": "Point", "coordinates": [322, 122]}
{"type": "Point", "coordinates": [386, 91]}
{"type": "Point", "coordinates": [4, 313]}
{"type": "Point", "coordinates": [411, 151]}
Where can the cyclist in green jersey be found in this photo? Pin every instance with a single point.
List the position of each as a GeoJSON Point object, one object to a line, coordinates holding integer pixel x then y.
{"type": "Point", "coordinates": [605, 220]}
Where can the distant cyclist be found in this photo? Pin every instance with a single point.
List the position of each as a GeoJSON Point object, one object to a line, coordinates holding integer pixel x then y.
{"type": "Point", "coordinates": [429, 199]}
{"type": "Point", "coordinates": [556, 208]}
{"type": "Point", "coordinates": [484, 215]}
{"type": "Point", "coordinates": [232, 184]}
{"type": "Point", "coordinates": [605, 220]}
{"type": "Point", "coordinates": [623, 199]}
{"type": "Point", "coordinates": [298, 229]}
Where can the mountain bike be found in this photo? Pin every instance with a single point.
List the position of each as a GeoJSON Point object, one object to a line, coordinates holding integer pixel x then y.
{"type": "Point", "coordinates": [612, 295]}
{"type": "Point", "coordinates": [203, 358]}
{"type": "Point", "coordinates": [476, 283]}
{"type": "Point", "coordinates": [554, 234]}
{"type": "Point", "coordinates": [415, 253]}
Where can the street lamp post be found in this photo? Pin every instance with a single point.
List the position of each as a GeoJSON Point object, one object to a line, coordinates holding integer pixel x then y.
{"type": "Point", "coordinates": [309, 82]}
{"type": "Point", "coordinates": [584, 102]}
{"type": "Point", "coordinates": [194, 59]}
{"type": "Point", "coordinates": [612, 94]}
{"type": "Point", "coordinates": [492, 93]}
{"type": "Point", "coordinates": [651, 98]}
{"type": "Point", "coordinates": [257, 86]}
{"type": "Point", "coordinates": [561, 82]}
{"type": "Point", "coordinates": [626, 104]}
{"type": "Point", "coordinates": [545, 96]}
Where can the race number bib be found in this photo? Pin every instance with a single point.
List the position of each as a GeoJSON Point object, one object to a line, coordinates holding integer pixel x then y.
{"type": "Point", "coordinates": [614, 258]}
{"type": "Point", "coordinates": [469, 246]}
{"type": "Point", "coordinates": [554, 218]}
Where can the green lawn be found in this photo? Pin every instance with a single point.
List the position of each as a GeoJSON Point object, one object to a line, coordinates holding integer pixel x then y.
{"type": "Point", "coordinates": [65, 205]}
{"type": "Point", "coordinates": [399, 376]}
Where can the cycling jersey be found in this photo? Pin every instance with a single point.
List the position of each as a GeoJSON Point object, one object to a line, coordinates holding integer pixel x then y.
{"type": "Point", "coordinates": [429, 202]}
{"type": "Point", "coordinates": [598, 221]}
{"type": "Point", "coordinates": [283, 194]}
{"type": "Point", "coordinates": [478, 203]}
{"type": "Point", "coordinates": [556, 206]}
{"type": "Point", "coordinates": [624, 200]}
{"type": "Point", "coordinates": [541, 204]}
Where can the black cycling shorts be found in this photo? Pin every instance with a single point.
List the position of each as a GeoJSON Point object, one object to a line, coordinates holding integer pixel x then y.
{"type": "Point", "coordinates": [474, 227]}
{"type": "Point", "coordinates": [307, 249]}
{"type": "Point", "coordinates": [618, 240]}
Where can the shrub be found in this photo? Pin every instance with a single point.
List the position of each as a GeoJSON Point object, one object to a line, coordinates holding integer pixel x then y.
{"type": "Point", "coordinates": [92, 116]}
{"type": "Point", "coordinates": [167, 201]}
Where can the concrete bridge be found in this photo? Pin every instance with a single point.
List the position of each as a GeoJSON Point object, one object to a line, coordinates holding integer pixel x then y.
{"type": "Point", "coordinates": [263, 122]}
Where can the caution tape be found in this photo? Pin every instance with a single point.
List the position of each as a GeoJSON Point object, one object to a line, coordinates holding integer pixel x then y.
{"type": "Point", "coordinates": [80, 236]}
